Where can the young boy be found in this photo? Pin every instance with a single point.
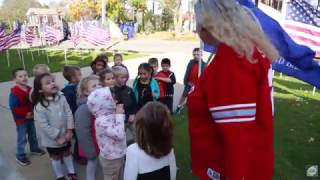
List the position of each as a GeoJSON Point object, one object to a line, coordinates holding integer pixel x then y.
{"type": "Point", "coordinates": [118, 59]}
{"type": "Point", "coordinates": [21, 109]}
{"type": "Point", "coordinates": [191, 76]}
{"type": "Point", "coordinates": [39, 69]}
{"type": "Point", "coordinates": [153, 62]}
{"type": "Point", "coordinates": [166, 80]}
{"type": "Point", "coordinates": [73, 75]}
{"type": "Point", "coordinates": [123, 94]}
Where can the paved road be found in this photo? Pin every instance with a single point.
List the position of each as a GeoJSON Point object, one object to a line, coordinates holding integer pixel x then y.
{"type": "Point", "coordinates": [40, 169]}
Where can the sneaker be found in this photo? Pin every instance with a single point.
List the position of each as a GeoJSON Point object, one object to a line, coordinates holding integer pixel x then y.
{"type": "Point", "coordinates": [38, 152]}
{"type": "Point", "coordinates": [23, 162]}
{"type": "Point", "coordinates": [62, 178]}
{"type": "Point", "coordinates": [72, 176]}
{"type": "Point", "coordinates": [178, 110]}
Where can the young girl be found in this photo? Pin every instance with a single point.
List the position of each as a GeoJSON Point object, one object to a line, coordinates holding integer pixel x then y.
{"type": "Point", "coordinates": [110, 131]}
{"type": "Point", "coordinates": [84, 125]}
{"type": "Point", "coordinates": [106, 78]}
{"type": "Point", "coordinates": [55, 121]}
{"type": "Point", "coordinates": [100, 63]}
{"type": "Point", "coordinates": [152, 157]}
{"type": "Point", "coordinates": [145, 88]}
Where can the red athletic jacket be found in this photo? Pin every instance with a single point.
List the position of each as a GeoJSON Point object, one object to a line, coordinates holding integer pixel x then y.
{"type": "Point", "coordinates": [231, 119]}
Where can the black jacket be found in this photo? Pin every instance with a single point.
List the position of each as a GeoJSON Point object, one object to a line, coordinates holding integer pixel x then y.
{"type": "Point", "coordinates": [189, 68]}
{"type": "Point", "coordinates": [124, 95]}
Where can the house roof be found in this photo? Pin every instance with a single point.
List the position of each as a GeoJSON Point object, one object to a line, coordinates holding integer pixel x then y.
{"type": "Point", "coordinates": [42, 11]}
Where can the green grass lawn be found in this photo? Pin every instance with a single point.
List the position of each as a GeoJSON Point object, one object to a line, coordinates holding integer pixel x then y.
{"type": "Point", "coordinates": [297, 132]}
{"type": "Point", "coordinates": [56, 59]}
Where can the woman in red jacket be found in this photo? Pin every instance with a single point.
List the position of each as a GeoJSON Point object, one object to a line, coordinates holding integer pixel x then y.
{"type": "Point", "coordinates": [230, 108]}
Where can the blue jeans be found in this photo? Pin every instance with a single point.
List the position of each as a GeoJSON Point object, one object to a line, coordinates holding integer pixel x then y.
{"type": "Point", "coordinates": [23, 130]}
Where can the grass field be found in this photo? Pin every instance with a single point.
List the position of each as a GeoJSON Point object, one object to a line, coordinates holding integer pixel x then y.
{"type": "Point", "coordinates": [297, 132]}
{"type": "Point", "coordinates": [55, 59]}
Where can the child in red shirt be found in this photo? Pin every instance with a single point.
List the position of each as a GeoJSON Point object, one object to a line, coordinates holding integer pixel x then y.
{"type": "Point", "coordinates": [21, 109]}
{"type": "Point", "coordinates": [166, 80]}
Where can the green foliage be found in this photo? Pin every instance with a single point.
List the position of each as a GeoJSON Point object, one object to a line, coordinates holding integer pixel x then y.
{"type": "Point", "coordinates": [138, 5]}
{"type": "Point", "coordinates": [16, 9]}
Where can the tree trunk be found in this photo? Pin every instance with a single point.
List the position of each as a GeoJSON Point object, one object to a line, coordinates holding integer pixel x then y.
{"type": "Point", "coordinates": [178, 19]}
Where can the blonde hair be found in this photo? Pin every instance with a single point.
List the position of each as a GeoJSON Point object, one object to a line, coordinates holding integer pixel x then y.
{"type": "Point", "coordinates": [40, 67]}
{"type": "Point", "coordinates": [119, 70]}
{"type": "Point", "coordinates": [230, 23]}
{"type": "Point", "coordinates": [83, 85]}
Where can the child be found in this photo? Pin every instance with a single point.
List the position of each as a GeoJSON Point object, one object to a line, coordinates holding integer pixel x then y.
{"type": "Point", "coordinates": [166, 79]}
{"type": "Point", "coordinates": [118, 59]}
{"type": "Point", "coordinates": [99, 64]}
{"type": "Point", "coordinates": [110, 131]}
{"type": "Point", "coordinates": [106, 78]}
{"type": "Point", "coordinates": [191, 76]}
{"type": "Point", "coordinates": [124, 95]}
{"type": "Point", "coordinates": [55, 121]}
{"type": "Point", "coordinates": [73, 75]}
{"type": "Point", "coordinates": [145, 88]}
{"type": "Point", "coordinates": [39, 69]}
{"type": "Point", "coordinates": [84, 125]}
{"type": "Point", "coordinates": [21, 109]}
{"type": "Point", "coordinates": [153, 62]}
{"type": "Point", "coordinates": [152, 157]}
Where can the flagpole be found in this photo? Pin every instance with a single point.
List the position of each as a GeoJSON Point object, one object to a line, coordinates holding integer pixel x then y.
{"type": "Point", "coordinates": [22, 57]}
{"type": "Point", "coordinates": [65, 56]}
{"type": "Point", "coordinates": [8, 57]}
{"type": "Point", "coordinates": [48, 60]}
{"type": "Point", "coordinates": [19, 54]}
{"type": "Point", "coordinates": [32, 56]}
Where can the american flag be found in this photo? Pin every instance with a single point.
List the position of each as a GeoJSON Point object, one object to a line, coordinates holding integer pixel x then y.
{"type": "Point", "coordinates": [75, 37]}
{"type": "Point", "coordinates": [11, 40]}
{"type": "Point", "coordinates": [2, 32]}
{"type": "Point", "coordinates": [52, 35]}
{"type": "Point", "coordinates": [2, 35]}
{"type": "Point", "coordinates": [29, 36]}
{"type": "Point", "coordinates": [96, 35]}
{"type": "Point", "coordinates": [303, 24]}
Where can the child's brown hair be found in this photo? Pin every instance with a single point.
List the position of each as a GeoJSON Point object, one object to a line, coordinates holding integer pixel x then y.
{"type": "Point", "coordinates": [102, 74]}
{"type": "Point", "coordinates": [69, 72]}
{"type": "Point", "coordinates": [154, 129]}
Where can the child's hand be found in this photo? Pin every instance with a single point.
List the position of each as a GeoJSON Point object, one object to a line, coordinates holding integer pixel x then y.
{"type": "Point", "coordinates": [131, 118]}
{"type": "Point", "coordinates": [119, 109]}
{"type": "Point", "coordinates": [29, 115]}
{"type": "Point", "coordinates": [61, 140]}
{"type": "Point", "coordinates": [69, 135]}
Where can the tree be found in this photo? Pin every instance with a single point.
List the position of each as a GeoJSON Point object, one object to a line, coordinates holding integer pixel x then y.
{"type": "Point", "coordinates": [91, 9]}
{"type": "Point", "coordinates": [139, 6]}
{"type": "Point", "coordinates": [16, 9]}
{"type": "Point", "coordinates": [174, 7]}
{"type": "Point", "coordinates": [88, 9]}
